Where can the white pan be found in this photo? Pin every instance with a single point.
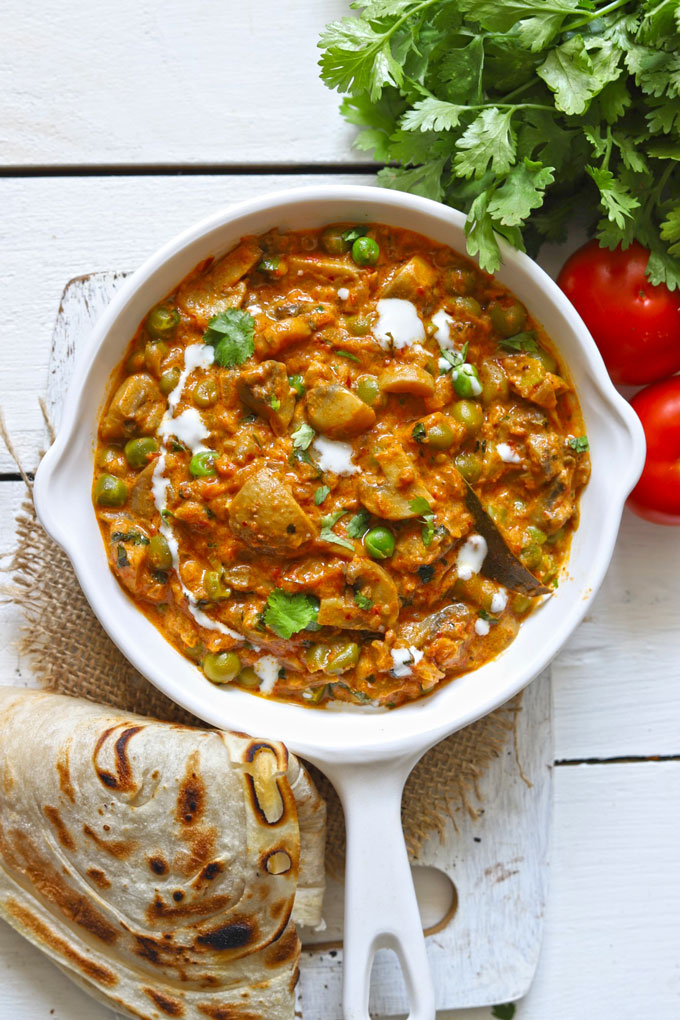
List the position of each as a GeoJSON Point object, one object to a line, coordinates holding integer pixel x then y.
{"type": "Point", "coordinates": [366, 754]}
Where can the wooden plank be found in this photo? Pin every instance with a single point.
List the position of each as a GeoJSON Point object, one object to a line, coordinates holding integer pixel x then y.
{"type": "Point", "coordinates": [155, 83]}
{"type": "Point", "coordinates": [58, 228]}
{"type": "Point", "coordinates": [612, 921]}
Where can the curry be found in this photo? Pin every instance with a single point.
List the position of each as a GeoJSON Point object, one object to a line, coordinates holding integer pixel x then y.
{"type": "Point", "coordinates": [282, 463]}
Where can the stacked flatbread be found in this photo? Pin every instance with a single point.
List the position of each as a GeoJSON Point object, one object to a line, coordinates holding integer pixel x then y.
{"type": "Point", "coordinates": [157, 864]}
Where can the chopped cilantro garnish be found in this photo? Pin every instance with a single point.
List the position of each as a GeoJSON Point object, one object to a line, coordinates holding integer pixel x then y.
{"type": "Point", "coordinates": [420, 506]}
{"type": "Point", "coordinates": [346, 354]}
{"type": "Point", "coordinates": [362, 601]}
{"type": "Point", "coordinates": [328, 535]}
{"type": "Point", "coordinates": [418, 432]}
{"type": "Point", "coordinates": [303, 436]}
{"type": "Point", "coordinates": [358, 525]}
{"type": "Point", "coordinates": [121, 557]}
{"type": "Point", "coordinates": [483, 615]}
{"type": "Point", "coordinates": [349, 236]}
{"type": "Point", "coordinates": [231, 333]}
{"type": "Point", "coordinates": [298, 384]}
{"type": "Point", "coordinates": [525, 343]}
{"type": "Point", "coordinates": [134, 537]}
{"type": "Point", "coordinates": [579, 443]}
{"type": "Point", "coordinates": [287, 614]}
{"type": "Point", "coordinates": [269, 264]}
{"type": "Point", "coordinates": [455, 358]}
{"type": "Point", "coordinates": [274, 402]}
{"type": "Point", "coordinates": [321, 494]}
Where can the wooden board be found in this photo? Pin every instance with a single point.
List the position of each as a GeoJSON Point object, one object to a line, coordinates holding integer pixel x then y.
{"type": "Point", "coordinates": [489, 949]}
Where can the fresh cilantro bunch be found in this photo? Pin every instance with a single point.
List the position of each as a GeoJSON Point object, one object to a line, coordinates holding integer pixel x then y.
{"type": "Point", "coordinates": [232, 335]}
{"type": "Point", "coordinates": [524, 114]}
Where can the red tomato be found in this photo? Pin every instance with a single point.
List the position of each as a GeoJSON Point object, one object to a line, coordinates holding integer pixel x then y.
{"type": "Point", "coordinates": [657, 495]}
{"type": "Point", "coordinates": [635, 325]}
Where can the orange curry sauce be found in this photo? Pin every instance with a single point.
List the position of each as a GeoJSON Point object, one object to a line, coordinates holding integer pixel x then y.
{"type": "Point", "coordinates": [279, 472]}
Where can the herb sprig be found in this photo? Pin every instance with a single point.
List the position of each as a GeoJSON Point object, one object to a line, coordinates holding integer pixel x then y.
{"type": "Point", "coordinates": [523, 114]}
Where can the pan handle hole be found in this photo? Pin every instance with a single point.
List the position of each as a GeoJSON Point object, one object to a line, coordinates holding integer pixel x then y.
{"type": "Point", "coordinates": [437, 897]}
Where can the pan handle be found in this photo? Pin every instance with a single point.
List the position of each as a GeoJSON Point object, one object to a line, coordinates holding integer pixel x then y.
{"type": "Point", "coordinates": [381, 910]}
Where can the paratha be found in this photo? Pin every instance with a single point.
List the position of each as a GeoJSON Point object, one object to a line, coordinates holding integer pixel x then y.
{"type": "Point", "coordinates": [155, 863]}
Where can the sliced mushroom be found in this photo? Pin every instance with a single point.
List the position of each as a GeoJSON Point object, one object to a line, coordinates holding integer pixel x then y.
{"type": "Point", "coordinates": [140, 500]}
{"type": "Point", "coordinates": [281, 335]}
{"type": "Point", "coordinates": [136, 409]}
{"type": "Point", "coordinates": [414, 279]}
{"type": "Point", "coordinates": [209, 293]}
{"type": "Point", "coordinates": [323, 265]}
{"type": "Point", "coordinates": [410, 552]}
{"type": "Point", "coordinates": [390, 494]}
{"type": "Point", "coordinates": [374, 583]}
{"type": "Point", "coordinates": [265, 389]}
{"type": "Point", "coordinates": [407, 379]}
{"type": "Point", "coordinates": [337, 412]}
{"type": "Point", "coordinates": [265, 515]}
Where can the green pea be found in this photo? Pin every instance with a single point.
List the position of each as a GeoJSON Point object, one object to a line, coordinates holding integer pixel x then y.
{"type": "Point", "coordinates": [202, 464]}
{"type": "Point", "coordinates": [248, 678]}
{"type": "Point", "coordinates": [221, 667]}
{"type": "Point", "coordinates": [343, 659]}
{"type": "Point", "coordinates": [520, 604]}
{"type": "Point", "coordinates": [161, 322]}
{"type": "Point", "coordinates": [160, 557]}
{"type": "Point", "coordinates": [507, 319]}
{"type": "Point", "coordinates": [365, 251]}
{"type": "Point", "coordinates": [531, 556]}
{"type": "Point", "coordinates": [138, 451]}
{"type": "Point", "coordinates": [110, 491]}
{"type": "Point", "coordinates": [333, 242]}
{"type": "Point", "coordinates": [466, 381]}
{"type": "Point", "coordinates": [439, 435]}
{"type": "Point", "coordinates": [169, 380]}
{"type": "Point", "coordinates": [536, 535]}
{"type": "Point", "coordinates": [469, 413]}
{"type": "Point", "coordinates": [215, 589]}
{"type": "Point", "coordinates": [464, 307]}
{"type": "Point", "coordinates": [460, 280]}
{"type": "Point", "coordinates": [494, 383]}
{"type": "Point", "coordinates": [379, 543]}
{"type": "Point", "coordinates": [368, 389]}
{"type": "Point", "coordinates": [470, 466]}
{"type": "Point", "coordinates": [204, 393]}
{"type": "Point", "coordinates": [298, 384]}
{"type": "Point", "coordinates": [358, 325]}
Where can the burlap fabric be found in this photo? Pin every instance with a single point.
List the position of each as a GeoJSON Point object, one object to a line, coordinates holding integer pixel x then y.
{"type": "Point", "coordinates": [69, 652]}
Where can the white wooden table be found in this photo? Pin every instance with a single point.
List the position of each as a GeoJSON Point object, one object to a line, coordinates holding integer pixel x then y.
{"type": "Point", "coordinates": [120, 124]}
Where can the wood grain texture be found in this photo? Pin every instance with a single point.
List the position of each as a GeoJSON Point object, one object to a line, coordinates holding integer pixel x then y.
{"type": "Point", "coordinates": [163, 82]}
{"type": "Point", "coordinates": [612, 921]}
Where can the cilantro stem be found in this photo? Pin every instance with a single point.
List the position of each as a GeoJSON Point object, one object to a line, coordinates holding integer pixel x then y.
{"type": "Point", "coordinates": [405, 17]}
{"type": "Point", "coordinates": [594, 15]}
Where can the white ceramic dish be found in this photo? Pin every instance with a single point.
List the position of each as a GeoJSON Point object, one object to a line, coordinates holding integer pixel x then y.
{"type": "Point", "coordinates": [367, 755]}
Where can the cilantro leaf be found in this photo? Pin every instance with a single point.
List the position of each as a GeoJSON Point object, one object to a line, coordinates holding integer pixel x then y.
{"type": "Point", "coordinates": [231, 333]}
{"type": "Point", "coordinates": [358, 525]}
{"type": "Point", "coordinates": [351, 235]}
{"type": "Point", "coordinates": [670, 230]}
{"type": "Point", "coordinates": [524, 342]}
{"type": "Point", "coordinates": [420, 506]}
{"type": "Point", "coordinates": [346, 354]}
{"type": "Point", "coordinates": [433, 115]}
{"type": "Point", "coordinates": [328, 535]}
{"type": "Point", "coordinates": [490, 139]}
{"type": "Point", "coordinates": [303, 436]}
{"type": "Point", "coordinates": [287, 614]}
{"type": "Point", "coordinates": [418, 432]}
{"type": "Point", "coordinates": [274, 402]}
{"type": "Point", "coordinates": [521, 192]}
{"type": "Point", "coordinates": [616, 198]}
{"type": "Point", "coordinates": [362, 601]}
{"type": "Point", "coordinates": [321, 494]}
{"type": "Point", "coordinates": [579, 444]}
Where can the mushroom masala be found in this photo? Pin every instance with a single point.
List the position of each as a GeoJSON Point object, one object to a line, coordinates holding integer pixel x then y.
{"type": "Point", "coordinates": [282, 462]}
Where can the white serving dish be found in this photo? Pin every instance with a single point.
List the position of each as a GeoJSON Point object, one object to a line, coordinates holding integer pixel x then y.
{"type": "Point", "coordinates": [366, 754]}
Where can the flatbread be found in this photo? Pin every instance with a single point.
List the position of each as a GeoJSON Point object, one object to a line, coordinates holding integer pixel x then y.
{"type": "Point", "coordinates": [156, 864]}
